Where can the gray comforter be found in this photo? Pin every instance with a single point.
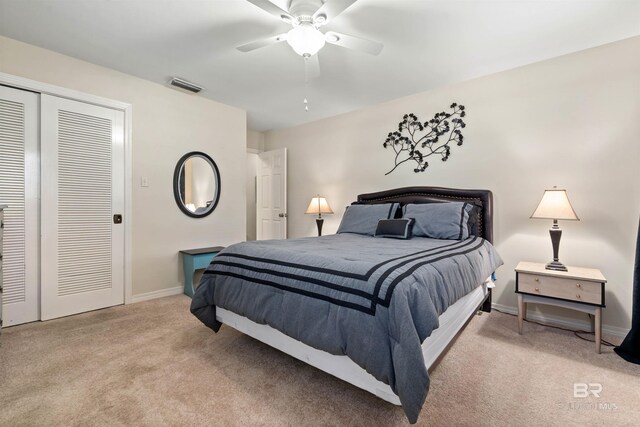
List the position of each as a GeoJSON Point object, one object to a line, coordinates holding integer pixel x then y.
{"type": "Point", "coordinates": [373, 299]}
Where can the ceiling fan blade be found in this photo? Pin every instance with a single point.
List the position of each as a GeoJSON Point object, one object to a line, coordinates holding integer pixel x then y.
{"type": "Point", "coordinates": [331, 9]}
{"type": "Point", "coordinates": [274, 10]}
{"type": "Point", "coordinates": [353, 42]}
{"type": "Point", "coordinates": [262, 43]}
{"type": "Point", "coordinates": [312, 67]}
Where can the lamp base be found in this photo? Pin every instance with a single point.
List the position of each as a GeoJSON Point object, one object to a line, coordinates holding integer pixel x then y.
{"type": "Point", "coordinates": [556, 265]}
{"type": "Point", "coordinates": [319, 222]}
{"type": "Point", "coordinates": [555, 232]}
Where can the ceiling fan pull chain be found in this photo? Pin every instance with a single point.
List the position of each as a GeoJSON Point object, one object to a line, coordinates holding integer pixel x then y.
{"type": "Point", "coordinates": [306, 83]}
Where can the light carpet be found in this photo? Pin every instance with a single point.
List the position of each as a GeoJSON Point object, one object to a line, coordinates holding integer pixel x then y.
{"type": "Point", "coordinates": [154, 364]}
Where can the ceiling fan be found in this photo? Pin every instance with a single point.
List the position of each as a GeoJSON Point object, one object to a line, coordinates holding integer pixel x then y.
{"type": "Point", "coordinates": [306, 17]}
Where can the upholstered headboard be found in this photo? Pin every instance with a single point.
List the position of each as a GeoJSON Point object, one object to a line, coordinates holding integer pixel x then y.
{"type": "Point", "coordinates": [481, 198]}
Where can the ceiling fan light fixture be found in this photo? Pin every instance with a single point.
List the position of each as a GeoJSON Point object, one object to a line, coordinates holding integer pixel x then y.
{"type": "Point", "coordinates": [305, 40]}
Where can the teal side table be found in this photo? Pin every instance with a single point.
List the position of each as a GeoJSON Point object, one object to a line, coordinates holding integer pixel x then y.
{"type": "Point", "coordinates": [196, 259]}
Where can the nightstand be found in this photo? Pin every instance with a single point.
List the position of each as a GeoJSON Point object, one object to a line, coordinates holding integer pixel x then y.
{"type": "Point", "coordinates": [580, 289]}
{"type": "Point", "coordinates": [193, 260]}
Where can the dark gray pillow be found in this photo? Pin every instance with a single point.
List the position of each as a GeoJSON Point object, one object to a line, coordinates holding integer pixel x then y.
{"type": "Point", "coordinates": [363, 219]}
{"type": "Point", "coordinates": [395, 228]}
{"type": "Point", "coordinates": [440, 220]}
{"type": "Point", "coordinates": [475, 225]}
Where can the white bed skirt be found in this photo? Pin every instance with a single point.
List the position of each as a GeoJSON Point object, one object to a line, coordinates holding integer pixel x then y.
{"type": "Point", "coordinates": [451, 321]}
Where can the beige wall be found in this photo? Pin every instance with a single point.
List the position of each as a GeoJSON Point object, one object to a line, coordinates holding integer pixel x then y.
{"type": "Point", "coordinates": [253, 161]}
{"type": "Point", "coordinates": [255, 144]}
{"type": "Point", "coordinates": [573, 121]}
{"type": "Point", "coordinates": [255, 140]}
{"type": "Point", "coordinates": [166, 124]}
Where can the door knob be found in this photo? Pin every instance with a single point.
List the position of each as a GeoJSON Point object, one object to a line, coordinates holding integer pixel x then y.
{"type": "Point", "coordinates": [282, 215]}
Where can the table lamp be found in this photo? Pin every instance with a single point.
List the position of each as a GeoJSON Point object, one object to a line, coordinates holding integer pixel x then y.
{"type": "Point", "coordinates": [319, 206]}
{"type": "Point", "coordinates": [555, 205]}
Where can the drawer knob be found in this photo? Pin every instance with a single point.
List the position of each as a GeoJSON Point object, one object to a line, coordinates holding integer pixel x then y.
{"type": "Point", "coordinates": [578, 285]}
{"type": "Point", "coordinates": [537, 289]}
{"type": "Point", "coordinates": [536, 279]}
{"type": "Point", "coordinates": [578, 296]}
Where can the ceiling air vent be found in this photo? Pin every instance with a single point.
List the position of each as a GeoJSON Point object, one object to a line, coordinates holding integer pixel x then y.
{"type": "Point", "coordinates": [183, 84]}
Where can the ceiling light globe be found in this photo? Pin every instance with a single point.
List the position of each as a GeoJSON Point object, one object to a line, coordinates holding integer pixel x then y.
{"type": "Point", "coordinates": [305, 40]}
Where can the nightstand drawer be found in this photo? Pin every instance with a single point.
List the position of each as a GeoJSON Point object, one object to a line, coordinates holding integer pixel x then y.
{"type": "Point", "coordinates": [557, 287]}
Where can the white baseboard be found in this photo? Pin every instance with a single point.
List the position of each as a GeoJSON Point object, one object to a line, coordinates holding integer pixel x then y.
{"type": "Point", "coordinates": [177, 290]}
{"type": "Point", "coordinates": [563, 321]}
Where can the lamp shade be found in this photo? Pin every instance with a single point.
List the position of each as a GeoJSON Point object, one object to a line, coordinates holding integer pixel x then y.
{"type": "Point", "coordinates": [319, 205]}
{"type": "Point", "coordinates": [305, 39]}
{"type": "Point", "coordinates": [555, 205]}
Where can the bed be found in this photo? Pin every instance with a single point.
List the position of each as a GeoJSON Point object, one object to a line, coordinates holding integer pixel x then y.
{"type": "Point", "coordinates": [374, 312]}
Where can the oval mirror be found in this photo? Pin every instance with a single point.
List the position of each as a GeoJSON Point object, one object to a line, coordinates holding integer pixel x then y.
{"type": "Point", "coordinates": [196, 184]}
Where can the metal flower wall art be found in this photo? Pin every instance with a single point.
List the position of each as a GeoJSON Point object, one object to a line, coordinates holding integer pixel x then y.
{"type": "Point", "coordinates": [416, 141]}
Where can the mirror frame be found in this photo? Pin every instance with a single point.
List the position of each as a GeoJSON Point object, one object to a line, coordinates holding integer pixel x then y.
{"type": "Point", "coordinates": [176, 183]}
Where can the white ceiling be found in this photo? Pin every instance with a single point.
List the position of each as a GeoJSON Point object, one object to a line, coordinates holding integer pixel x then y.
{"type": "Point", "coordinates": [428, 43]}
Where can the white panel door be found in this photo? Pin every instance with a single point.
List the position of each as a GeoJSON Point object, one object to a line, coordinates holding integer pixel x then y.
{"type": "Point", "coordinates": [82, 189]}
{"type": "Point", "coordinates": [271, 221]}
{"type": "Point", "coordinates": [19, 180]}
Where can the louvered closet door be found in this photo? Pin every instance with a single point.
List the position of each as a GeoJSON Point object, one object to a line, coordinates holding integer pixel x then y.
{"type": "Point", "coordinates": [82, 189]}
{"type": "Point", "coordinates": [19, 180]}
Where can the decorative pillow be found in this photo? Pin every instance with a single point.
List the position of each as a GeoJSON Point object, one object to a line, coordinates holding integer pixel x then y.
{"type": "Point", "coordinates": [363, 219]}
{"type": "Point", "coordinates": [440, 220]}
{"type": "Point", "coordinates": [475, 225]}
{"type": "Point", "coordinates": [395, 228]}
